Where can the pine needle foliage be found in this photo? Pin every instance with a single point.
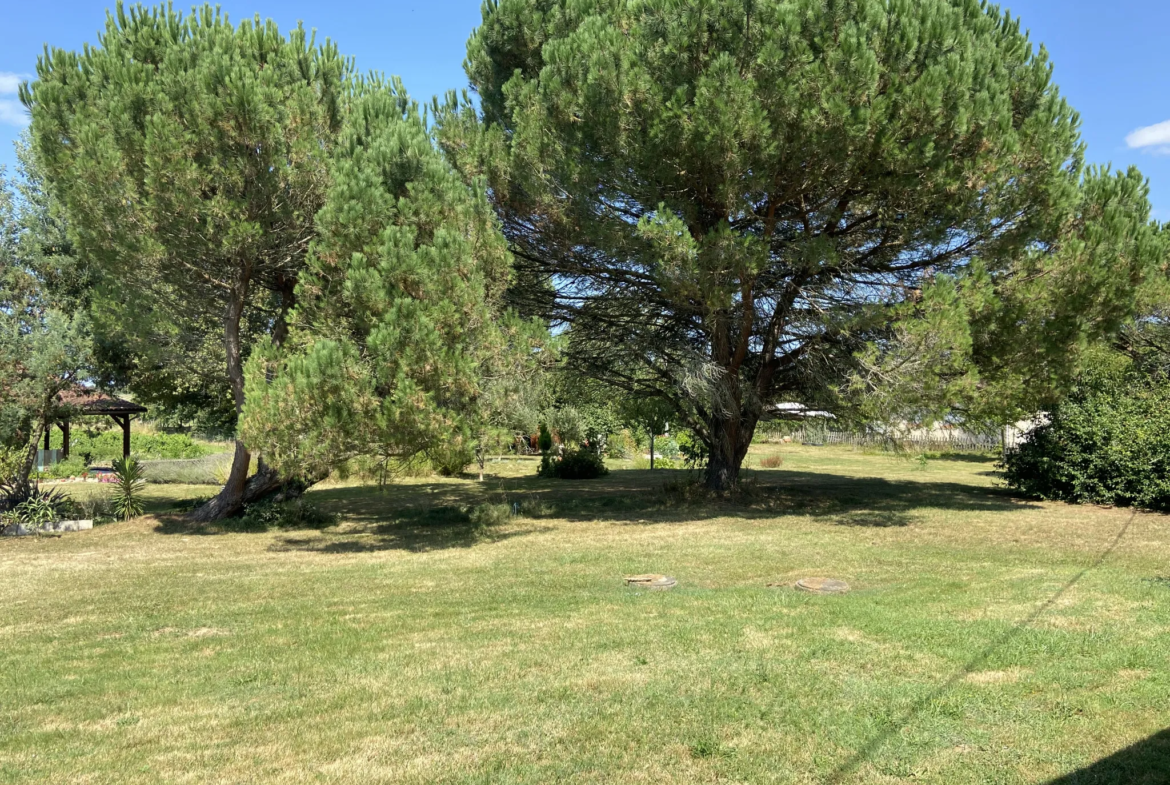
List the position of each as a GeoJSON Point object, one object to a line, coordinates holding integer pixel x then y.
{"type": "Point", "coordinates": [399, 323]}
{"type": "Point", "coordinates": [190, 156]}
{"type": "Point", "coordinates": [728, 202]}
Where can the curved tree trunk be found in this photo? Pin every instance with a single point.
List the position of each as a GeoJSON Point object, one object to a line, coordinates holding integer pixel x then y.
{"type": "Point", "coordinates": [231, 499]}
{"type": "Point", "coordinates": [240, 489]}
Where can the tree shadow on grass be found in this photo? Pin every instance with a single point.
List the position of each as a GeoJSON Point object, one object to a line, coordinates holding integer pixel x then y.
{"type": "Point", "coordinates": [425, 516]}
{"type": "Point", "coordinates": [841, 500]}
{"type": "Point", "coordinates": [1145, 763]}
{"type": "Point", "coordinates": [415, 529]}
{"type": "Point", "coordinates": [966, 457]}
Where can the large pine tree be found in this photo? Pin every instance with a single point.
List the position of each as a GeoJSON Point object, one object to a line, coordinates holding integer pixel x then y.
{"type": "Point", "coordinates": [191, 156]}
{"type": "Point", "coordinates": [727, 201]}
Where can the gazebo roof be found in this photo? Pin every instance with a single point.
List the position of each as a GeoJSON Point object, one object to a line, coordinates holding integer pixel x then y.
{"type": "Point", "coordinates": [93, 402]}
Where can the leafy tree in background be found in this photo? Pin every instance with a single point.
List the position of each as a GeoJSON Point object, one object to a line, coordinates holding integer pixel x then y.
{"type": "Point", "coordinates": [172, 364]}
{"type": "Point", "coordinates": [398, 336]}
{"type": "Point", "coordinates": [190, 158]}
{"type": "Point", "coordinates": [735, 202]}
{"type": "Point", "coordinates": [43, 349]}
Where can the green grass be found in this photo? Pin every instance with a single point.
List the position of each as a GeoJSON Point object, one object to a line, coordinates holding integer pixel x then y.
{"type": "Point", "coordinates": [986, 639]}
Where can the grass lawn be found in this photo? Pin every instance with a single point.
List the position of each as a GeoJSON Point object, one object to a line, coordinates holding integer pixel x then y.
{"type": "Point", "coordinates": [986, 638]}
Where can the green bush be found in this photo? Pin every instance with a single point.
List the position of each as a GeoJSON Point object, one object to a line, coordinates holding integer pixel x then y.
{"type": "Point", "coordinates": [486, 515]}
{"type": "Point", "coordinates": [210, 470]}
{"type": "Point", "coordinates": [74, 466]}
{"type": "Point", "coordinates": [295, 514]}
{"type": "Point", "coordinates": [659, 463]}
{"type": "Point", "coordinates": [665, 447]}
{"type": "Point", "coordinates": [107, 445]}
{"type": "Point", "coordinates": [34, 510]}
{"type": "Point", "coordinates": [621, 445]}
{"type": "Point", "coordinates": [580, 464]}
{"type": "Point", "coordinates": [94, 507]}
{"type": "Point", "coordinates": [692, 450]}
{"type": "Point", "coordinates": [1107, 443]}
{"type": "Point", "coordinates": [451, 458]}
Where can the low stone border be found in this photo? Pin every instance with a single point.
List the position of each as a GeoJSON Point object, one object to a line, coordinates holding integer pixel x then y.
{"type": "Point", "coordinates": [20, 530]}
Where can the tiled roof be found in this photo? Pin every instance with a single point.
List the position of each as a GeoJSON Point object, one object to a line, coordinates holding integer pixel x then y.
{"type": "Point", "coordinates": [92, 402]}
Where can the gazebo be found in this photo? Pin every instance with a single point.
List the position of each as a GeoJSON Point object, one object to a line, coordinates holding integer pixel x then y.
{"type": "Point", "coordinates": [88, 403]}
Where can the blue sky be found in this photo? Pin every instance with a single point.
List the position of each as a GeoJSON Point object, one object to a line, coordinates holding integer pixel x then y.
{"type": "Point", "coordinates": [1112, 59]}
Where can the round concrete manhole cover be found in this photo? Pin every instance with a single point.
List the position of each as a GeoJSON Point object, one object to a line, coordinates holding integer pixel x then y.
{"type": "Point", "coordinates": [822, 585]}
{"type": "Point", "coordinates": [651, 581]}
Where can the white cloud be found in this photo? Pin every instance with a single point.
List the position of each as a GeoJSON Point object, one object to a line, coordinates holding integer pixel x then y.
{"type": "Point", "coordinates": [1152, 138]}
{"type": "Point", "coordinates": [10, 82]}
{"type": "Point", "coordinates": [13, 113]}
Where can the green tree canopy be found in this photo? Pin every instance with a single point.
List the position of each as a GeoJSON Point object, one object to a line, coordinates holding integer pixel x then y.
{"type": "Point", "coordinates": [44, 348]}
{"type": "Point", "coordinates": [190, 156]}
{"type": "Point", "coordinates": [398, 336]}
{"type": "Point", "coordinates": [729, 200]}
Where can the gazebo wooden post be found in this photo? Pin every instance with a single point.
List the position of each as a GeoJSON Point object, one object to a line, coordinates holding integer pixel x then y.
{"type": "Point", "coordinates": [124, 421]}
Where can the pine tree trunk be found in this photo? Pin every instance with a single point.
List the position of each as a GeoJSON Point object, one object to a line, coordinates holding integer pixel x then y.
{"type": "Point", "coordinates": [730, 437]}
{"type": "Point", "coordinates": [230, 500]}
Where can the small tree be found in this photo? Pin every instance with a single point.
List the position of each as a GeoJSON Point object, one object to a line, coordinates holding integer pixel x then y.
{"type": "Point", "coordinates": [129, 481]}
{"type": "Point", "coordinates": [190, 157]}
{"type": "Point", "coordinates": [43, 350]}
{"type": "Point", "coordinates": [398, 327]}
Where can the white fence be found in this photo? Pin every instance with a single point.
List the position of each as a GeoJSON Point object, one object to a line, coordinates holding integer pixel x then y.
{"type": "Point", "coordinates": [938, 441]}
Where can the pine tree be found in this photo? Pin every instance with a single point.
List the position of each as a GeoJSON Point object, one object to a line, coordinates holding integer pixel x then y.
{"type": "Point", "coordinates": [190, 157]}
{"type": "Point", "coordinates": [398, 332]}
{"type": "Point", "coordinates": [731, 201]}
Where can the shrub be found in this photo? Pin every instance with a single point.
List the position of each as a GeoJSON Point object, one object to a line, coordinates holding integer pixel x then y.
{"type": "Point", "coordinates": [107, 446]}
{"type": "Point", "coordinates": [296, 514]}
{"type": "Point", "coordinates": [11, 459]}
{"type": "Point", "coordinates": [666, 448]}
{"type": "Point", "coordinates": [210, 470]}
{"type": "Point", "coordinates": [1107, 443]}
{"type": "Point", "coordinates": [535, 508]}
{"type": "Point", "coordinates": [692, 449]}
{"type": "Point", "coordinates": [95, 507]}
{"type": "Point", "coordinates": [659, 463]}
{"type": "Point", "coordinates": [579, 464]}
{"type": "Point", "coordinates": [34, 509]}
{"type": "Point", "coordinates": [486, 515]}
{"type": "Point", "coordinates": [451, 458]}
{"type": "Point", "coordinates": [128, 485]}
{"type": "Point", "coordinates": [74, 466]}
{"type": "Point", "coordinates": [771, 462]}
{"type": "Point", "coordinates": [621, 445]}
